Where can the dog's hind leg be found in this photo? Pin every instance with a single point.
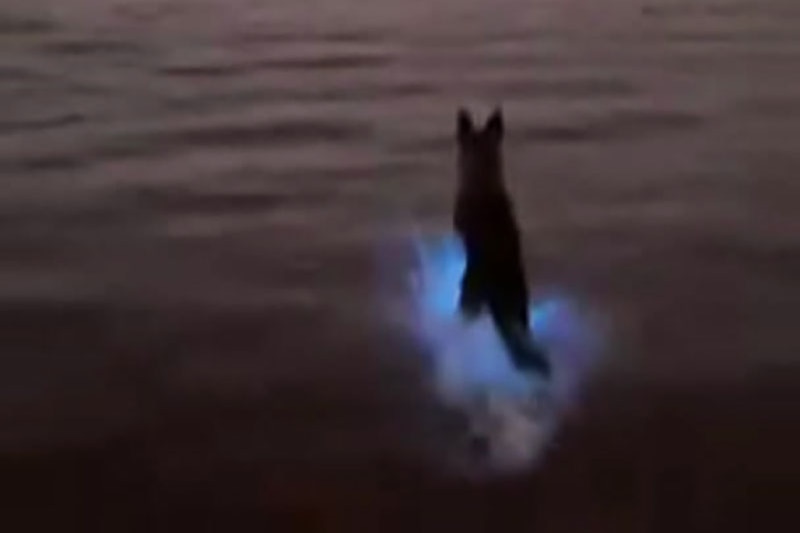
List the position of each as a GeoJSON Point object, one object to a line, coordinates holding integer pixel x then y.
{"type": "Point", "coordinates": [525, 353]}
{"type": "Point", "coordinates": [472, 297]}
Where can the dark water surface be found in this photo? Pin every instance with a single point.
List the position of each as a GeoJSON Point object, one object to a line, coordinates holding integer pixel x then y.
{"type": "Point", "coordinates": [194, 194]}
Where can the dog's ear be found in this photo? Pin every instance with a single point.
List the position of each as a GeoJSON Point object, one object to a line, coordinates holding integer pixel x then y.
{"type": "Point", "coordinates": [494, 125]}
{"type": "Point", "coordinates": [465, 127]}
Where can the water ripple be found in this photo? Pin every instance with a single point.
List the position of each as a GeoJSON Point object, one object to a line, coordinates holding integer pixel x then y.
{"type": "Point", "coordinates": [20, 25]}
{"type": "Point", "coordinates": [578, 88]}
{"type": "Point", "coordinates": [619, 125]}
{"type": "Point", "coordinates": [92, 46]}
{"type": "Point", "coordinates": [332, 62]}
{"type": "Point", "coordinates": [261, 133]}
{"type": "Point", "coordinates": [38, 124]}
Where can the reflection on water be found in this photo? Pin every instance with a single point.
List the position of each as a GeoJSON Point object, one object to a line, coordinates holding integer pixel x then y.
{"type": "Point", "coordinates": [193, 192]}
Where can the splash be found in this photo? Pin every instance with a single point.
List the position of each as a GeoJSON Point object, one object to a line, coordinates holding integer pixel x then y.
{"type": "Point", "coordinates": [514, 414]}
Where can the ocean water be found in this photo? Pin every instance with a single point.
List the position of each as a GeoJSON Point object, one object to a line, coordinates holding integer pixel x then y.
{"type": "Point", "coordinates": [201, 199]}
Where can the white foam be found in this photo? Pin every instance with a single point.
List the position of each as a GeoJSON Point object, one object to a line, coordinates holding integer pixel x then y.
{"type": "Point", "coordinates": [513, 413]}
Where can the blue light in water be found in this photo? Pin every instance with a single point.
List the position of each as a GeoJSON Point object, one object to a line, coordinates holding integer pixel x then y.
{"type": "Point", "coordinates": [471, 369]}
{"type": "Point", "coordinates": [468, 357]}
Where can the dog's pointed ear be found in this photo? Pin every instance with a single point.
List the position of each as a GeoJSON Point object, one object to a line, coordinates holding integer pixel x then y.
{"type": "Point", "coordinates": [494, 125]}
{"type": "Point", "coordinates": [465, 127]}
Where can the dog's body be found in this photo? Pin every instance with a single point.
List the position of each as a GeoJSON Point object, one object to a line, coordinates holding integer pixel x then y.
{"type": "Point", "coordinates": [484, 219]}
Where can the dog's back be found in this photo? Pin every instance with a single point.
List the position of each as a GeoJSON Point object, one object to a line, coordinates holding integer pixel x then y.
{"type": "Point", "coordinates": [484, 219]}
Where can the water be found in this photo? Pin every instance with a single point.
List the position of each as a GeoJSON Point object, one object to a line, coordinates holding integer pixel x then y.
{"type": "Point", "coordinates": [510, 415]}
{"type": "Point", "coordinates": [196, 194]}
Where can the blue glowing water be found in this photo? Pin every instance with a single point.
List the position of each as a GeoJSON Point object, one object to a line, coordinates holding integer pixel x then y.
{"type": "Point", "coordinates": [469, 360]}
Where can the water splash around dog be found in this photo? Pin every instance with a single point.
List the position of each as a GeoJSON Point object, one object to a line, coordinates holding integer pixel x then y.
{"type": "Point", "coordinates": [513, 414]}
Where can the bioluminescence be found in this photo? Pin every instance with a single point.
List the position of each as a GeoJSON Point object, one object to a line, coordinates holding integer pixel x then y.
{"type": "Point", "coordinates": [516, 412]}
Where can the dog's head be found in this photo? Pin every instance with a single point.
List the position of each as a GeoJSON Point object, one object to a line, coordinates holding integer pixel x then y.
{"type": "Point", "coordinates": [479, 151]}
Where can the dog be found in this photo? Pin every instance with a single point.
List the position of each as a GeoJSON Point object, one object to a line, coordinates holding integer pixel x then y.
{"type": "Point", "coordinates": [484, 219]}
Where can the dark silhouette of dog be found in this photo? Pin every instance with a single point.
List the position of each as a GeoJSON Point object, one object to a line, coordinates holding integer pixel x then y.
{"type": "Point", "coordinates": [494, 278]}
